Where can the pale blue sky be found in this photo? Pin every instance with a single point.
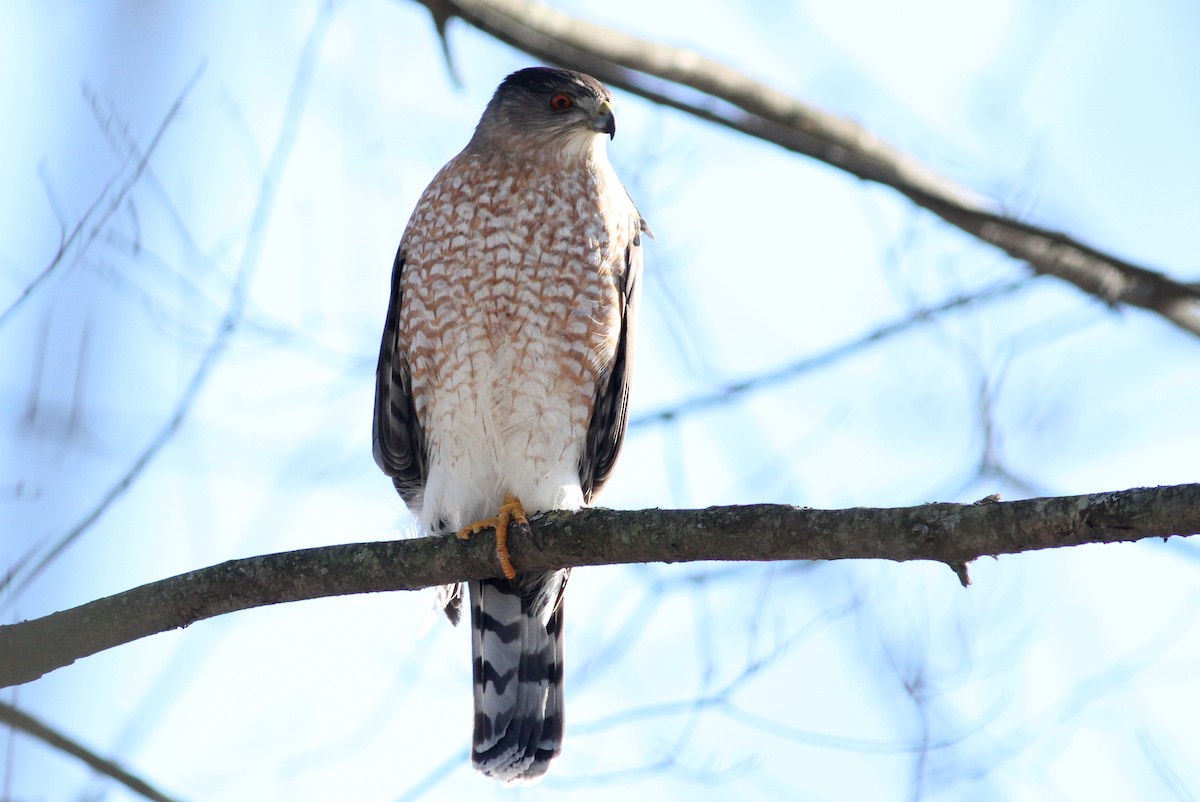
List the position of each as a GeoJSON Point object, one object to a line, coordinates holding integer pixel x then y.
{"type": "Point", "coordinates": [1066, 675]}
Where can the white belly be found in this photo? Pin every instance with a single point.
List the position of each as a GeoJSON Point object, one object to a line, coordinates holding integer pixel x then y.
{"type": "Point", "coordinates": [504, 426]}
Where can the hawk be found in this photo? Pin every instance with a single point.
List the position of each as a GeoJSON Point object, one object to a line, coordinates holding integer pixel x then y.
{"type": "Point", "coordinates": [503, 377]}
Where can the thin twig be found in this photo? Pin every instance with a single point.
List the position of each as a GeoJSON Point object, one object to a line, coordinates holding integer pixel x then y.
{"type": "Point", "coordinates": [732, 392]}
{"type": "Point", "coordinates": [28, 724]}
{"type": "Point", "coordinates": [97, 215]}
{"type": "Point", "coordinates": [229, 322]}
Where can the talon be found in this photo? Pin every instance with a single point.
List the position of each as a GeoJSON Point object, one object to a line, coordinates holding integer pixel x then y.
{"type": "Point", "coordinates": [510, 512]}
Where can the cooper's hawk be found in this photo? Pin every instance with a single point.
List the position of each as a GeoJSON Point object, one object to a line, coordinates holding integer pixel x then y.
{"type": "Point", "coordinates": [503, 376]}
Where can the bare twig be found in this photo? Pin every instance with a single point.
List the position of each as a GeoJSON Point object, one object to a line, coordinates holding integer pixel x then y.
{"type": "Point", "coordinates": [712, 91]}
{"type": "Point", "coordinates": [229, 321]}
{"type": "Point", "coordinates": [1162, 767]}
{"type": "Point", "coordinates": [731, 392]}
{"type": "Point", "coordinates": [107, 203]}
{"type": "Point", "coordinates": [949, 533]}
{"type": "Point", "coordinates": [32, 726]}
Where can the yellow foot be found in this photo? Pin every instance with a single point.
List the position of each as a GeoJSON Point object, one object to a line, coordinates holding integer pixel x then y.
{"type": "Point", "coordinates": [511, 512]}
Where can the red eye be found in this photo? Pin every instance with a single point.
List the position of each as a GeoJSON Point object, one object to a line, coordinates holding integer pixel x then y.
{"type": "Point", "coordinates": [561, 102]}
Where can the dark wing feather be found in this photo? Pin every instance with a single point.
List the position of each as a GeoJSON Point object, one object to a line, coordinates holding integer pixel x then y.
{"type": "Point", "coordinates": [606, 431]}
{"type": "Point", "coordinates": [397, 440]}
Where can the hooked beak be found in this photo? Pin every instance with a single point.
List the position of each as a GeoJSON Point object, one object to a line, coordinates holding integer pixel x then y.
{"type": "Point", "coordinates": [605, 122]}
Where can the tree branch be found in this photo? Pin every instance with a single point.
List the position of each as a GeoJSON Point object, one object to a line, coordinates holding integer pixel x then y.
{"type": "Point", "coordinates": [107, 203]}
{"type": "Point", "coordinates": [734, 391]}
{"type": "Point", "coordinates": [687, 81]}
{"type": "Point", "coordinates": [28, 724]}
{"type": "Point", "coordinates": [951, 533]}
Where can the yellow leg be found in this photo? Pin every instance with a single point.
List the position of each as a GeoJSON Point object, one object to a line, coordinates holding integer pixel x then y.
{"type": "Point", "coordinates": [511, 511]}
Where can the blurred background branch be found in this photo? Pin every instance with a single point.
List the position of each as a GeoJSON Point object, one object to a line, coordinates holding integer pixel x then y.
{"type": "Point", "coordinates": [732, 392]}
{"type": "Point", "coordinates": [30, 725]}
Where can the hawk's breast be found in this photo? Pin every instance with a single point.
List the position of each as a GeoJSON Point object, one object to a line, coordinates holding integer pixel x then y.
{"type": "Point", "coordinates": [511, 313]}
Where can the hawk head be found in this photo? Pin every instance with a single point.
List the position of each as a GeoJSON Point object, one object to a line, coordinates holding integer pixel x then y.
{"type": "Point", "coordinates": [544, 107]}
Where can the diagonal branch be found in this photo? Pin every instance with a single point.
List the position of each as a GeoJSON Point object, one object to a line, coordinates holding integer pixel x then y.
{"type": "Point", "coordinates": [32, 726]}
{"type": "Point", "coordinates": [949, 533]}
{"type": "Point", "coordinates": [685, 80]}
{"type": "Point", "coordinates": [731, 392]}
{"type": "Point", "coordinates": [107, 203]}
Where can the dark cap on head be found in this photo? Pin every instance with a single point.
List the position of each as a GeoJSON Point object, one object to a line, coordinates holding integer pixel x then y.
{"type": "Point", "coordinates": [547, 80]}
{"type": "Point", "coordinates": [544, 106]}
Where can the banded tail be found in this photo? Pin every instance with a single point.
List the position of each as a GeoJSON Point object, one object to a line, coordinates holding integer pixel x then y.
{"type": "Point", "coordinates": [517, 659]}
